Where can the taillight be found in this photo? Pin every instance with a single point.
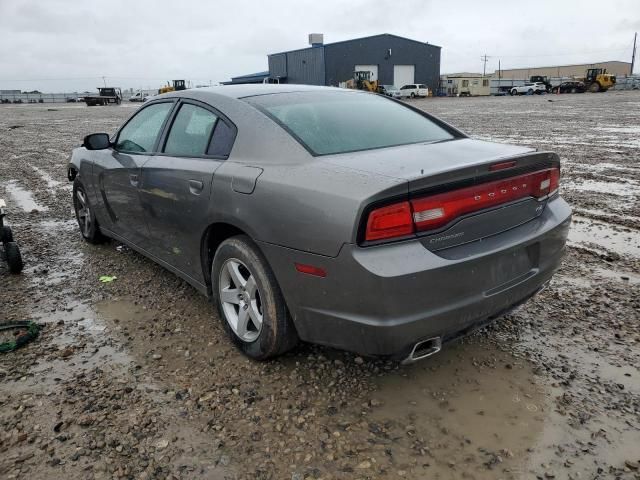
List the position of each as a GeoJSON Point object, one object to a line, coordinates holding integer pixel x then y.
{"type": "Point", "coordinates": [436, 211]}
{"type": "Point", "coordinates": [389, 222]}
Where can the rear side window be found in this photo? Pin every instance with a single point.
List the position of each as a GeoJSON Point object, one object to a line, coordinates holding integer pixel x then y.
{"type": "Point", "coordinates": [339, 122]}
{"type": "Point", "coordinates": [191, 131]}
{"type": "Point", "coordinates": [139, 135]}
{"type": "Point", "coordinates": [222, 140]}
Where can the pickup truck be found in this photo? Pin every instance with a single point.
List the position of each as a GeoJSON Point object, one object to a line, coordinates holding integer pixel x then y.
{"type": "Point", "coordinates": [529, 89]}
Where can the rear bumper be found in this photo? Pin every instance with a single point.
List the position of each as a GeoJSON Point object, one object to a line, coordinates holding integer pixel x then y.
{"type": "Point", "coordinates": [382, 300]}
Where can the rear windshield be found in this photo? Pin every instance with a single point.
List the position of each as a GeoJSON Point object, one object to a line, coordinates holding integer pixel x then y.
{"type": "Point", "coordinates": [339, 122]}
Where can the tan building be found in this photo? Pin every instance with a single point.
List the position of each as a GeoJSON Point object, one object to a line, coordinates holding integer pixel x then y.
{"type": "Point", "coordinates": [464, 84]}
{"type": "Point", "coordinates": [615, 67]}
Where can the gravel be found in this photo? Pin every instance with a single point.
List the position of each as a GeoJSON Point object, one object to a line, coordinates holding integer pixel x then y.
{"type": "Point", "coordinates": [136, 379]}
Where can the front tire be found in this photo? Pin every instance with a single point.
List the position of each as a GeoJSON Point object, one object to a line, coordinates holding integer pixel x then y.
{"type": "Point", "coordinates": [250, 303]}
{"type": "Point", "coordinates": [514, 92]}
{"type": "Point", "coordinates": [85, 215]}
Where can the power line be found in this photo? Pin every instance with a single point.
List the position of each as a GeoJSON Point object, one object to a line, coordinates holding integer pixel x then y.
{"type": "Point", "coordinates": [484, 59]}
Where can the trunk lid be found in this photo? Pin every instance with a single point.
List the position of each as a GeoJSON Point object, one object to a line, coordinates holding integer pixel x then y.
{"type": "Point", "coordinates": [432, 169]}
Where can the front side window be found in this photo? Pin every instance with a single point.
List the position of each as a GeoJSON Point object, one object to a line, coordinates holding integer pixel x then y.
{"type": "Point", "coordinates": [139, 135]}
{"type": "Point", "coordinates": [326, 122]}
{"type": "Point", "coordinates": [191, 131]}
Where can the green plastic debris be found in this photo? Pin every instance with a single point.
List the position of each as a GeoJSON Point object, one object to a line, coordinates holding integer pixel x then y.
{"type": "Point", "coordinates": [107, 278]}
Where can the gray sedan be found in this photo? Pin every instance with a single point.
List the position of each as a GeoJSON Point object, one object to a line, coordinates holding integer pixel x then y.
{"type": "Point", "coordinates": [337, 217]}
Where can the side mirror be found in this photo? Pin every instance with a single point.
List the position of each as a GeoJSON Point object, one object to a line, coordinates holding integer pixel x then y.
{"type": "Point", "coordinates": [96, 141]}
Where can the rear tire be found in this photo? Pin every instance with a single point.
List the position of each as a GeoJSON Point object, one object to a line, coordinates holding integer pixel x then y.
{"type": "Point", "coordinates": [514, 92]}
{"type": "Point", "coordinates": [250, 302]}
{"type": "Point", "coordinates": [85, 215]}
{"type": "Point", "coordinates": [594, 87]}
{"type": "Point", "coordinates": [13, 256]}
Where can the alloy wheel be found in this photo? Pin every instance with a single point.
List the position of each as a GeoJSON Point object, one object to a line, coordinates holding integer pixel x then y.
{"type": "Point", "coordinates": [240, 299]}
{"type": "Point", "coordinates": [84, 213]}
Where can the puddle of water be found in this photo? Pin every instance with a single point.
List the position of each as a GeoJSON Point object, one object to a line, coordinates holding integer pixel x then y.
{"type": "Point", "coordinates": [601, 167]}
{"type": "Point", "coordinates": [613, 188]}
{"type": "Point", "coordinates": [23, 198]}
{"type": "Point", "coordinates": [51, 182]}
{"type": "Point", "coordinates": [602, 368]}
{"type": "Point", "coordinates": [635, 129]}
{"type": "Point", "coordinates": [585, 231]}
{"type": "Point", "coordinates": [57, 225]}
{"type": "Point", "coordinates": [567, 281]}
{"type": "Point", "coordinates": [87, 339]}
{"type": "Point", "coordinates": [630, 278]}
{"type": "Point", "coordinates": [470, 403]}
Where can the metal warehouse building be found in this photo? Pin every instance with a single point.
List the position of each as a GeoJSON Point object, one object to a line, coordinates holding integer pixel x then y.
{"type": "Point", "coordinates": [393, 60]}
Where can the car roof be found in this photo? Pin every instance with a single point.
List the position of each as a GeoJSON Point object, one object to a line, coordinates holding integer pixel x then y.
{"type": "Point", "coordinates": [252, 89]}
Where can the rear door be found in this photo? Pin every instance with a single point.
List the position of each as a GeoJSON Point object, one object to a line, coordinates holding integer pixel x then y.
{"type": "Point", "coordinates": [176, 183]}
{"type": "Point", "coordinates": [117, 172]}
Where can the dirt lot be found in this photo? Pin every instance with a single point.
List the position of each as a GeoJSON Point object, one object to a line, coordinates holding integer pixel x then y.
{"type": "Point", "coordinates": [135, 378]}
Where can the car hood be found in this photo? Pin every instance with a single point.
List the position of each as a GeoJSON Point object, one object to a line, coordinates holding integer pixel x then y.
{"type": "Point", "coordinates": [412, 162]}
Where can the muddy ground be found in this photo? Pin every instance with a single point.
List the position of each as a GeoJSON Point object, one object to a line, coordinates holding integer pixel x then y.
{"type": "Point", "coordinates": [135, 378]}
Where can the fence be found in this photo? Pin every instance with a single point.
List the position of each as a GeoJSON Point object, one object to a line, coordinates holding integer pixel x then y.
{"type": "Point", "coordinates": [70, 97]}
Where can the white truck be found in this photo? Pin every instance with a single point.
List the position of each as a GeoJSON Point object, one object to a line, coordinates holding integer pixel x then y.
{"type": "Point", "coordinates": [139, 96]}
{"type": "Point", "coordinates": [529, 88]}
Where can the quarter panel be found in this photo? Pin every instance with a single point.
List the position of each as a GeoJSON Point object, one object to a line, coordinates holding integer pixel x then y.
{"type": "Point", "coordinates": [309, 206]}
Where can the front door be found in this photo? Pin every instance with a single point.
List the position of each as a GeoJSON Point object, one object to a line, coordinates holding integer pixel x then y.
{"type": "Point", "coordinates": [117, 172]}
{"type": "Point", "coordinates": [176, 185]}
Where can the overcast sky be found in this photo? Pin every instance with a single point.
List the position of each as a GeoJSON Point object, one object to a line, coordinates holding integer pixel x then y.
{"type": "Point", "coordinates": [68, 45]}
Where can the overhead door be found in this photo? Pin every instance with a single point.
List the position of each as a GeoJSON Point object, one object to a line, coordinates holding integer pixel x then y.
{"type": "Point", "coordinates": [368, 68]}
{"type": "Point", "coordinates": [403, 75]}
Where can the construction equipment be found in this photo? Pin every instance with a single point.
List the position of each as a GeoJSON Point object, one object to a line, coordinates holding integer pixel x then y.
{"type": "Point", "coordinates": [106, 95]}
{"type": "Point", "coordinates": [598, 80]}
{"type": "Point", "coordinates": [173, 86]}
{"type": "Point", "coordinates": [362, 81]}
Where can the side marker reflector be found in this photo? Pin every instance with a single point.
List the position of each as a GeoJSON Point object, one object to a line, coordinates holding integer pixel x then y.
{"type": "Point", "coordinates": [311, 270]}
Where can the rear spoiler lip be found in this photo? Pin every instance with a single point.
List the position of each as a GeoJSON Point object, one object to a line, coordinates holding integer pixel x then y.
{"type": "Point", "coordinates": [480, 173]}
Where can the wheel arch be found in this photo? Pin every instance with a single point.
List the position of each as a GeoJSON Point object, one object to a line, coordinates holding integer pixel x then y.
{"type": "Point", "coordinates": [212, 237]}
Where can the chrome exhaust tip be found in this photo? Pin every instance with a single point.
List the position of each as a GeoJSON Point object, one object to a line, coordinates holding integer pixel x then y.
{"type": "Point", "coordinates": [423, 349]}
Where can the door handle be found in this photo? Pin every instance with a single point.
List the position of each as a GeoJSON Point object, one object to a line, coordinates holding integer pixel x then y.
{"type": "Point", "coordinates": [133, 178]}
{"type": "Point", "coordinates": [196, 186]}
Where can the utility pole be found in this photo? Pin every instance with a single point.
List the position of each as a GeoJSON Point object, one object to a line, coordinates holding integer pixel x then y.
{"type": "Point", "coordinates": [484, 59]}
{"type": "Point", "coordinates": [104, 81]}
{"type": "Point", "coordinates": [499, 71]}
{"type": "Point", "coordinates": [633, 55]}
